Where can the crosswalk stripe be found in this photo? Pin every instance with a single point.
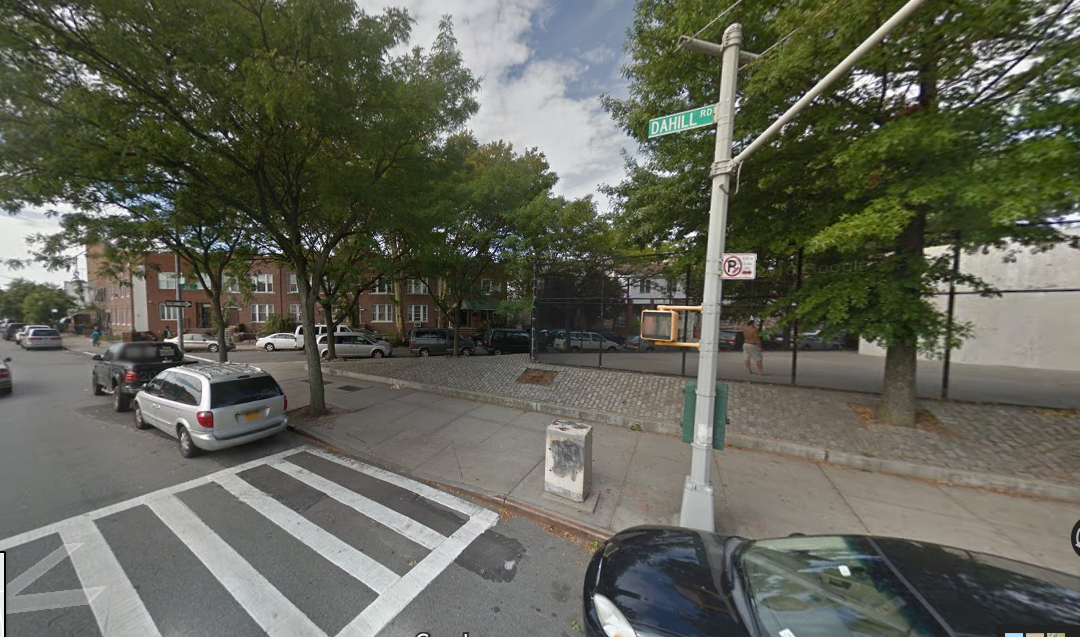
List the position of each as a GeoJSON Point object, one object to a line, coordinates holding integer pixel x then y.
{"type": "Point", "coordinates": [118, 610]}
{"type": "Point", "coordinates": [443, 498]}
{"type": "Point", "coordinates": [373, 574]}
{"type": "Point", "coordinates": [264, 603]}
{"type": "Point", "coordinates": [389, 518]}
{"type": "Point", "coordinates": [380, 612]}
{"type": "Point", "coordinates": [56, 527]}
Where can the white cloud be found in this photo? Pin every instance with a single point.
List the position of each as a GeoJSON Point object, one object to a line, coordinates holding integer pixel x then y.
{"type": "Point", "coordinates": [525, 99]}
{"type": "Point", "coordinates": [14, 232]}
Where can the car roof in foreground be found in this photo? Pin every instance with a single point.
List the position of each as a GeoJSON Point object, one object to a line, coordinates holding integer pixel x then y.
{"type": "Point", "coordinates": [222, 371]}
{"type": "Point", "coordinates": [968, 592]}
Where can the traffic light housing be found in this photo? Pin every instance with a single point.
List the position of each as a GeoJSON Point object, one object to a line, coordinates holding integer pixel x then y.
{"type": "Point", "coordinates": [660, 325]}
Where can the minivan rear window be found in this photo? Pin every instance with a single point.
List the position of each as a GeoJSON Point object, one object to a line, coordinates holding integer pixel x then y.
{"type": "Point", "coordinates": [243, 390]}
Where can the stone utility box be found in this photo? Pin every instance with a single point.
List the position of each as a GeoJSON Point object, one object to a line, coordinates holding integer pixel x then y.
{"type": "Point", "coordinates": [568, 460]}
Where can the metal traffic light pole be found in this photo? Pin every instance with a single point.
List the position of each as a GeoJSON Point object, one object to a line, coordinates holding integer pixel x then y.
{"type": "Point", "coordinates": [698, 504]}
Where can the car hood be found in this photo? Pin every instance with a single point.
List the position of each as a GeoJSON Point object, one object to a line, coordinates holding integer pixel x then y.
{"type": "Point", "coordinates": [669, 581]}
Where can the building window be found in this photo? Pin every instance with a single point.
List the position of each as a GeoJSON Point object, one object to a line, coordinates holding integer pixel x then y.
{"type": "Point", "coordinates": [293, 288]}
{"type": "Point", "coordinates": [166, 280]}
{"type": "Point", "coordinates": [487, 286]}
{"type": "Point", "coordinates": [294, 312]}
{"type": "Point", "coordinates": [380, 313]}
{"type": "Point", "coordinates": [418, 314]}
{"type": "Point", "coordinates": [644, 286]}
{"type": "Point", "coordinates": [383, 287]}
{"type": "Point", "coordinates": [260, 312]}
{"type": "Point", "coordinates": [417, 286]}
{"type": "Point", "coordinates": [232, 286]}
{"type": "Point", "coordinates": [262, 282]}
{"type": "Point", "coordinates": [168, 313]}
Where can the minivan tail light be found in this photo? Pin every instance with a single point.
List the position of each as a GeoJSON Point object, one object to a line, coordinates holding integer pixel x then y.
{"type": "Point", "coordinates": [286, 403]}
{"type": "Point", "coordinates": [130, 375]}
{"type": "Point", "coordinates": [206, 419]}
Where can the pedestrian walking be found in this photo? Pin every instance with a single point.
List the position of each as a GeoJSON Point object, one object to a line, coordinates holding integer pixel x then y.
{"type": "Point", "coordinates": [95, 336]}
{"type": "Point", "coordinates": [751, 345]}
{"type": "Point", "coordinates": [167, 333]}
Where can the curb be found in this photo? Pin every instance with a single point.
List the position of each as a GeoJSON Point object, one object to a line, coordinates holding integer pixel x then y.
{"type": "Point", "coordinates": [990, 481]}
{"type": "Point", "coordinates": [578, 530]}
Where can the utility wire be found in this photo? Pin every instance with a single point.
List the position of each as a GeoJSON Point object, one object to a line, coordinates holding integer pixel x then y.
{"type": "Point", "coordinates": [711, 22]}
{"type": "Point", "coordinates": [787, 37]}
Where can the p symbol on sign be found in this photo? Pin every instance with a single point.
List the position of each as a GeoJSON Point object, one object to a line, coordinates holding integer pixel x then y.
{"type": "Point", "coordinates": [732, 266]}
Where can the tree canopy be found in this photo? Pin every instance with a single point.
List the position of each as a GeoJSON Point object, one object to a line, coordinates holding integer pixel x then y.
{"type": "Point", "coordinates": [962, 128]}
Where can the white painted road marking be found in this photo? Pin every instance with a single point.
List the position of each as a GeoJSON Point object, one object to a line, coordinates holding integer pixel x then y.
{"type": "Point", "coordinates": [266, 605]}
{"type": "Point", "coordinates": [373, 574]}
{"type": "Point", "coordinates": [389, 518]}
{"type": "Point", "coordinates": [118, 611]}
{"type": "Point", "coordinates": [380, 612]}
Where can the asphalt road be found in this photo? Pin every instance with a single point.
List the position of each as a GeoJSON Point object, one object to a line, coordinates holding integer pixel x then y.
{"type": "Point", "coordinates": [274, 537]}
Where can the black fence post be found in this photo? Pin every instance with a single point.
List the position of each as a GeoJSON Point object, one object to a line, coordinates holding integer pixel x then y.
{"type": "Point", "coordinates": [795, 323]}
{"type": "Point", "coordinates": [535, 291]}
{"type": "Point", "coordinates": [686, 319]}
{"type": "Point", "coordinates": [949, 319]}
{"type": "Point", "coordinates": [600, 353]}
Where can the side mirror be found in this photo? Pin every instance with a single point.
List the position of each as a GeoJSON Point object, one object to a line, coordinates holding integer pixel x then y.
{"type": "Point", "coordinates": [96, 357]}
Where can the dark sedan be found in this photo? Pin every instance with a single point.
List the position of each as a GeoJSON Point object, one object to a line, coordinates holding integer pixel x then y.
{"type": "Point", "coordinates": [666, 581]}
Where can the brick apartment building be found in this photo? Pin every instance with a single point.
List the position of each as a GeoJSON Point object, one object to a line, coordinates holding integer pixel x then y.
{"type": "Point", "coordinates": [136, 304]}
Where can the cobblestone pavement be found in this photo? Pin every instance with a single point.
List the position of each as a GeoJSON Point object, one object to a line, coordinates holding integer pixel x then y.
{"type": "Point", "coordinates": [1030, 443]}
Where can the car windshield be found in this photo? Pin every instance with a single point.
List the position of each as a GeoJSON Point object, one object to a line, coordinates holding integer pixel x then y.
{"type": "Point", "coordinates": [830, 587]}
{"type": "Point", "coordinates": [243, 390]}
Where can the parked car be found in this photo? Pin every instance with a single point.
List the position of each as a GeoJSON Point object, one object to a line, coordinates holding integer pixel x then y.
{"type": "Point", "coordinates": [26, 328]}
{"type": "Point", "coordinates": [212, 406]}
{"type": "Point", "coordinates": [814, 341]}
{"type": "Point", "coordinates": [655, 580]}
{"type": "Point", "coordinates": [320, 329]}
{"type": "Point", "coordinates": [614, 337]}
{"type": "Point", "coordinates": [10, 329]}
{"type": "Point", "coordinates": [730, 340]}
{"type": "Point", "coordinates": [430, 340]}
{"type": "Point", "coordinates": [505, 341]}
{"type": "Point", "coordinates": [196, 342]}
{"type": "Point", "coordinates": [638, 344]}
{"type": "Point", "coordinates": [355, 346]}
{"type": "Point", "coordinates": [125, 367]}
{"type": "Point", "coordinates": [5, 377]}
{"type": "Point", "coordinates": [585, 342]}
{"type": "Point", "coordinates": [42, 338]}
{"type": "Point", "coordinates": [282, 340]}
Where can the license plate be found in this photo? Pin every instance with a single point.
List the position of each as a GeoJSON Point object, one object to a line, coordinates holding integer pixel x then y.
{"type": "Point", "coordinates": [252, 415]}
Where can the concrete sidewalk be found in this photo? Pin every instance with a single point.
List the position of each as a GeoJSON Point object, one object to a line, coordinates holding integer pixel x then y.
{"type": "Point", "coordinates": [498, 452]}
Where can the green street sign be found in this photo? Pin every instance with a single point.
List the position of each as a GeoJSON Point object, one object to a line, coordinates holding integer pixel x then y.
{"type": "Point", "coordinates": [686, 120]}
{"type": "Point", "coordinates": [189, 286]}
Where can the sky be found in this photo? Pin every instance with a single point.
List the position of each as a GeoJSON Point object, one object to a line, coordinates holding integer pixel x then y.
{"type": "Point", "coordinates": [543, 66]}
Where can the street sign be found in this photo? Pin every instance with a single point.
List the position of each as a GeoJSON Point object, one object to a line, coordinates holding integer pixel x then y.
{"type": "Point", "coordinates": [189, 286]}
{"type": "Point", "coordinates": [176, 303]}
{"type": "Point", "coordinates": [686, 120]}
{"type": "Point", "coordinates": [738, 267]}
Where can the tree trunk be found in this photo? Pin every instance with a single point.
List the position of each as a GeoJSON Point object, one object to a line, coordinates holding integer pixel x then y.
{"type": "Point", "coordinates": [399, 307]}
{"type": "Point", "coordinates": [331, 330]}
{"type": "Point", "coordinates": [219, 322]}
{"type": "Point", "coordinates": [311, 348]}
{"type": "Point", "coordinates": [898, 401]}
{"type": "Point", "coordinates": [457, 328]}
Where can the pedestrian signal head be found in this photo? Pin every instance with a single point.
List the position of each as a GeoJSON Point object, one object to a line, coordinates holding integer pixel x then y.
{"type": "Point", "coordinates": [659, 325]}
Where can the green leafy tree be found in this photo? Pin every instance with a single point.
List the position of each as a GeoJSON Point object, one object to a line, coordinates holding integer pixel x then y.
{"type": "Point", "coordinates": [962, 128]}
{"type": "Point", "coordinates": [288, 113]}
{"type": "Point", "coordinates": [46, 305]}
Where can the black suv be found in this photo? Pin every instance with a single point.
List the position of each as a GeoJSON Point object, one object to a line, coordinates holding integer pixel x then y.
{"type": "Point", "coordinates": [504, 341]}
{"type": "Point", "coordinates": [428, 341]}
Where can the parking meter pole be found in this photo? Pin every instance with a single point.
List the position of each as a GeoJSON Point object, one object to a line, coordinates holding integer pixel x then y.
{"type": "Point", "coordinates": [179, 310]}
{"type": "Point", "coordinates": [697, 505]}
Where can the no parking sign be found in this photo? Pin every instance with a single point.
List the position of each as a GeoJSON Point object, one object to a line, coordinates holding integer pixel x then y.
{"type": "Point", "coordinates": [735, 266]}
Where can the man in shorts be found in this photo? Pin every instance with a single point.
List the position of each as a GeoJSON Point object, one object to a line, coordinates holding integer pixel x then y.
{"type": "Point", "coordinates": [751, 346]}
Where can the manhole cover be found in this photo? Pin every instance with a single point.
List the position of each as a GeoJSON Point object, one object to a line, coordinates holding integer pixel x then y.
{"type": "Point", "coordinates": [349, 388]}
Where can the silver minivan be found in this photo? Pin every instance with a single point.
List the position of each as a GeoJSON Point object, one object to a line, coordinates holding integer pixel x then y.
{"type": "Point", "coordinates": [212, 406]}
